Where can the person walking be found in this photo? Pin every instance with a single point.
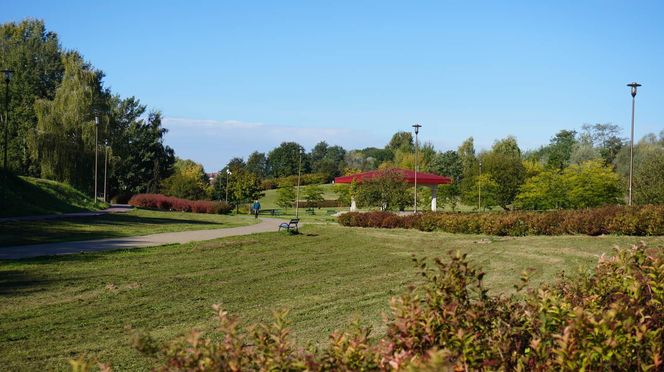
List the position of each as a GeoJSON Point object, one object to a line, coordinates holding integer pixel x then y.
{"type": "Point", "coordinates": [256, 207]}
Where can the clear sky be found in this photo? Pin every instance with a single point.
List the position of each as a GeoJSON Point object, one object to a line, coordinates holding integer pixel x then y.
{"type": "Point", "coordinates": [231, 77]}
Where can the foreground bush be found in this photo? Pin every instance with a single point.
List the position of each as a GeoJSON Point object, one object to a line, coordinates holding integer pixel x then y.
{"type": "Point", "coordinates": [622, 220]}
{"type": "Point", "coordinates": [612, 319]}
{"type": "Point", "coordinates": [170, 203]}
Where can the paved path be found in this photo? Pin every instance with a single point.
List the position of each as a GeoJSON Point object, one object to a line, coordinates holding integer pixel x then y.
{"type": "Point", "coordinates": [115, 208]}
{"type": "Point", "coordinates": [26, 251]}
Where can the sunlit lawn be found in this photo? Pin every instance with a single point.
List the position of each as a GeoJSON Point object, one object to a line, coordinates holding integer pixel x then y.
{"type": "Point", "coordinates": [53, 309]}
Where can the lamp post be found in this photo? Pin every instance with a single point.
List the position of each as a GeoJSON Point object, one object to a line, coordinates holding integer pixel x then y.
{"type": "Point", "coordinates": [105, 166]}
{"type": "Point", "coordinates": [96, 154]}
{"type": "Point", "coordinates": [479, 189]}
{"type": "Point", "coordinates": [7, 75]}
{"type": "Point", "coordinates": [417, 131]}
{"type": "Point", "coordinates": [297, 196]}
{"type": "Point", "coordinates": [633, 85]}
{"type": "Point", "coordinates": [228, 175]}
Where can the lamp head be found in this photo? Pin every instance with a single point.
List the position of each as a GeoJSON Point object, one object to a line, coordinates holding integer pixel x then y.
{"type": "Point", "coordinates": [633, 85]}
{"type": "Point", "coordinates": [417, 128]}
{"type": "Point", "coordinates": [97, 120]}
{"type": "Point", "coordinates": [7, 75]}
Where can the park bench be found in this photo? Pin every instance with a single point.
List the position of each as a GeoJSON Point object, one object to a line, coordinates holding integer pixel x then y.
{"type": "Point", "coordinates": [310, 211]}
{"type": "Point", "coordinates": [289, 226]}
{"type": "Point", "coordinates": [331, 211]}
{"type": "Point", "coordinates": [272, 212]}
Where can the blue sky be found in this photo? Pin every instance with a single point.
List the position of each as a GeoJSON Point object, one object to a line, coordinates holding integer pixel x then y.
{"type": "Point", "coordinates": [231, 77]}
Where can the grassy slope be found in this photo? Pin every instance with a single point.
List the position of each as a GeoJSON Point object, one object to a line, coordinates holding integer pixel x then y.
{"type": "Point", "coordinates": [33, 196]}
{"type": "Point", "coordinates": [56, 308]}
{"type": "Point", "coordinates": [136, 222]}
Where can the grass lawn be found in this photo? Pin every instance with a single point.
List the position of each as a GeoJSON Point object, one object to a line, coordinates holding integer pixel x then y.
{"type": "Point", "coordinates": [57, 308]}
{"type": "Point", "coordinates": [136, 222]}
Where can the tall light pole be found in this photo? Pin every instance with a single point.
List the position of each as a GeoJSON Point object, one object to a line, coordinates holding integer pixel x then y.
{"type": "Point", "coordinates": [479, 189]}
{"type": "Point", "coordinates": [297, 197]}
{"type": "Point", "coordinates": [96, 154]}
{"type": "Point", "coordinates": [417, 131]}
{"type": "Point", "coordinates": [5, 170]}
{"type": "Point", "coordinates": [228, 175]}
{"type": "Point", "coordinates": [8, 76]}
{"type": "Point", "coordinates": [105, 166]}
{"type": "Point", "coordinates": [633, 85]}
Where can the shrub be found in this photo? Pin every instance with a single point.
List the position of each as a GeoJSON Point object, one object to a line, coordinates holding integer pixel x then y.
{"type": "Point", "coordinates": [169, 203]}
{"type": "Point", "coordinates": [638, 220]}
{"type": "Point", "coordinates": [612, 319]}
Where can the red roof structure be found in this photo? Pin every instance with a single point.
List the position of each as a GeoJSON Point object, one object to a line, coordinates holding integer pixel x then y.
{"type": "Point", "coordinates": [409, 176]}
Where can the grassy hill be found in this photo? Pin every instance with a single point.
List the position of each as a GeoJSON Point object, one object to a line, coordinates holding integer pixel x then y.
{"type": "Point", "coordinates": [269, 201]}
{"type": "Point", "coordinates": [32, 196]}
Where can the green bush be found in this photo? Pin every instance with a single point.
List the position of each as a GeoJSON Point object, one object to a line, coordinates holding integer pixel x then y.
{"type": "Point", "coordinates": [611, 319]}
{"type": "Point", "coordinates": [620, 220]}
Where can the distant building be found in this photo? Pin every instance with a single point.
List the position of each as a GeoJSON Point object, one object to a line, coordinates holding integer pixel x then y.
{"type": "Point", "coordinates": [211, 177]}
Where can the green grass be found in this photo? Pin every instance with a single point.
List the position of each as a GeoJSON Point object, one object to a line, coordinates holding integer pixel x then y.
{"type": "Point", "coordinates": [35, 196]}
{"type": "Point", "coordinates": [57, 308]}
{"type": "Point", "coordinates": [269, 201]}
{"type": "Point", "coordinates": [133, 223]}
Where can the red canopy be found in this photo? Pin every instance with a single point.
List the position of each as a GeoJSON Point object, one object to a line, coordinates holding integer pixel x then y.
{"type": "Point", "coordinates": [409, 176]}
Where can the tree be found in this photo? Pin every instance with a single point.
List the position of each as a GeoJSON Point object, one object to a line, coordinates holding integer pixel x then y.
{"type": "Point", "coordinates": [35, 56]}
{"type": "Point", "coordinates": [482, 189]}
{"type": "Point", "coordinates": [284, 160]}
{"type": "Point", "coordinates": [243, 187]}
{"type": "Point", "coordinates": [648, 184]}
{"type": "Point", "coordinates": [313, 194]}
{"type": "Point", "coordinates": [328, 160]}
{"type": "Point", "coordinates": [504, 165]}
{"type": "Point", "coordinates": [560, 149]}
{"type": "Point", "coordinates": [257, 164]}
{"type": "Point", "coordinates": [591, 184]}
{"type": "Point", "coordinates": [401, 141]}
{"type": "Point", "coordinates": [546, 190]}
{"type": "Point", "coordinates": [286, 197]}
{"type": "Point", "coordinates": [65, 139]}
{"type": "Point", "coordinates": [387, 190]}
{"type": "Point", "coordinates": [140, 160]}
{"type": "Point", "coordinates": [606, 138]}
{"type": "Point", "coordinates": [189, 181]}
{"type": "Point", "coordinates": [449, 164]}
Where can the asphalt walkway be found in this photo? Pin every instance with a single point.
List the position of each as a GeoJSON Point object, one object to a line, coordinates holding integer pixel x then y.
{"type": "Point", "coordinates": [27, 251]}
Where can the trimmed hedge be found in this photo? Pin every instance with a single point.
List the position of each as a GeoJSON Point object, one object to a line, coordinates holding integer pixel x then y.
{"type": "Point", "coordinates": [170, 203]}
{"type": "Point", "coordinates": [621, 220]}
{"type": "Point", "coordinates": [320, 204]}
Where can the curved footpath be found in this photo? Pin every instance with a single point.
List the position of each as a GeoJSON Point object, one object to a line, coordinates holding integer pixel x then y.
{"type": "Point", "coordinates": [26, 251]}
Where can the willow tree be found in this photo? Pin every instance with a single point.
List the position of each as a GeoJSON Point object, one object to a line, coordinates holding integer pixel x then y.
{"type": "Point", "coordinates": [64, 142]}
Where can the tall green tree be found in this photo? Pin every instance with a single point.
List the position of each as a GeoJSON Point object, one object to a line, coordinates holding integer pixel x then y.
{"type": "Point", "coordinates": [560, 149]}
{"type": "Point", "coordinates": [648, 186]}
{"type": "Point", "coordinates": [401, 141]}
{"type": "Point", "coordinates": [283, 161]}
{"type": "Point", "coordinates": [257, 164]}
{"type": "Point", "coordinates": [504, 165]}
{"type": "Point", "coordinates": [388, 191]}
{"type": "Point", "coordinates": [35, 56]}
{"type": "Point", "coordinates": [64, 142]}
{"type": "Point", "coordinates": [313, 194]}
{"type": "Point", "coordinates": [188, 181]}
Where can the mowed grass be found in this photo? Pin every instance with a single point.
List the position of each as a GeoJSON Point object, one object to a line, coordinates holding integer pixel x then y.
{"type": "Point", "coordinates": [133, 223]}
{"type": "Point", "coordinates": [57, 308]}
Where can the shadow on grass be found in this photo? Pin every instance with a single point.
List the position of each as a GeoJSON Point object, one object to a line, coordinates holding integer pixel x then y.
{"type": "Point", "coordinates": [85, 228]}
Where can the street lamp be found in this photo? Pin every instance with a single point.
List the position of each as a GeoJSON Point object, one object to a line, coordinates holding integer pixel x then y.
{"type": "Point", "coordinates": [105, 166]}
{"type": "Point", "coordinates": [479, 189]}
{"type": "Point", "coordinates": [228, 175]}
{"type": "Point", "coordinates": [297, 196]}
{"type": "Point", "coordinates": [417, 131]}
{"type": "Point", "coordinates": [96, 154]}
{"type": "Point", "coordinates": [7, 75]}
{"type": "Point", "coordinates": [633, 85]}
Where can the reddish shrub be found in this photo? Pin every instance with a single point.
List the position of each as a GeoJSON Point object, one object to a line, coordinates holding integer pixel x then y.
{"type": "Point", "coordinates": [639, 220]}
{"type": "Point", "coordinates": [169, 203]}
